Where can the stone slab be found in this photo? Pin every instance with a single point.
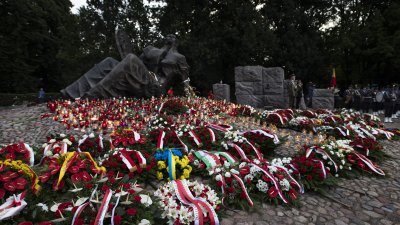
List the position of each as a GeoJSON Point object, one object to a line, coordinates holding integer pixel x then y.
{"type": "Point", "coordinates": [222, 92]}
{"type": "Point", "coordinates": [249, 88]}
{"type": "Point", "coordinates": [248, 73]}
{"type": "Point", "coordinates": [323, 93]}
{"type": "Point", "coordinates": [273, 75]}
{"type": "Point", "coordinates": [256, 101]}
{"type": "Point", "coordinates": [276, 101]}
{"type": "Point", "coordinates": [273, 88]}
{"type": "Point", "coordinates": [323, 102]}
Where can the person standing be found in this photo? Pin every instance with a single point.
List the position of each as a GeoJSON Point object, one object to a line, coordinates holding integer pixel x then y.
{"type": "Point", "coordinates": [299, 93]}
{"type": "Point", "coordinates": [389, 100]}
{"type": "Point", "coordinates": [348, 102]}
{"type": "Point", "coordinates": [310, 93]}
{"type": "Point", "coordinates": [41, 96]}
{"type": "Point", "coordinates": [292, 91]}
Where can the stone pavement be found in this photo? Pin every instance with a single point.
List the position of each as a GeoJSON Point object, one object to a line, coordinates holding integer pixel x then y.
{"type": "Point", "coordinates": [365, 200]}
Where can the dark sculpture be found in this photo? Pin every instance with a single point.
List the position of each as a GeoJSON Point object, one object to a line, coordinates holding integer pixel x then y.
{"type": "Point", "coordinates": [151, 74]}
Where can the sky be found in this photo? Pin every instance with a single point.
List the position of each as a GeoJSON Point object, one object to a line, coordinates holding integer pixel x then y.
{"type": "Point", "coordinates": [77, 4]}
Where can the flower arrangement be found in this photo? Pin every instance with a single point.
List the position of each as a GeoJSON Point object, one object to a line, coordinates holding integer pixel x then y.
{"type": "Point", "coordinates": [123, 162]}
{"type": "Point", "coordinates": [126, 138]}
{"type": "Point", "coordinates": [173, 106]}
{"type": "Point", "coordinates": [20, 151]}
{"type": "Point", "coordinates": [188, 202]}
{"type": "Point", "coordinates": [172, 164]}
{"type": "Point", "coordinates": [17, 177]}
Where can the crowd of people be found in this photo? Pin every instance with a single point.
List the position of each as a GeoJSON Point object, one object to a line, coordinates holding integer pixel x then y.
{"type": "Point", "coordinates": [374, 100]}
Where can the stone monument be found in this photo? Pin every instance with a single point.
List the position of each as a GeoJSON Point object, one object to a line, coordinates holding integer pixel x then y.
{"type": "Point", "coordinates": [323, 99]}
{"type": "Point", "coordinates": [222, 92]}
{"type": "Point", "coordinates": [258, 86]}
{"type": "Point", "coordinates": [151, 74]}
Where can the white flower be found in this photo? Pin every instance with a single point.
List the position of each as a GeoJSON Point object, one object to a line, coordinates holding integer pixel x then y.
{"type": "Point", "coordinates": [45, 208]}
{"type": "Point", "coordinates": [218, 177]}
{"type": "Point", "coordinates": [234, 171]}
{"type": "Point", "coordinates": [52, 141]}
{"type": "Point", "coordinates": [227, 174]}
{"type": "Point", "coordinates": [91, 135]}
{"type": "Point", "coordinates": [227, 164]}
{"type": "Point", "coordinates": [68, 142]}
{"type": "Point", "coordinates": [145, 200]}
{"type": "Point", "coordinates": [48, 153]}
{"type": "Point", "coordinates": [62, 135]}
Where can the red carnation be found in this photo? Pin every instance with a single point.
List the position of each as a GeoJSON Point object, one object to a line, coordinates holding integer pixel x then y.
{"type": "Point", "coordinates": [131, 211]}
{"type": "Point", "coordinates": [231, 189]}
{"type": "Point", "coordinates": [308, 177]}
{"type": "Point", "coordinates": [73, 169]}
{"type": "Point", "coordinates": [117, 219]}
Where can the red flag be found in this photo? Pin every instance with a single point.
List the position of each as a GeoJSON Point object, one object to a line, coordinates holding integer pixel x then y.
{"type": "Point", "coordinates": [333, 79]}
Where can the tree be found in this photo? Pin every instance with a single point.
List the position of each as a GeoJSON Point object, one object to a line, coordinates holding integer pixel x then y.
{"type": "Point", "coordinates": [30, 38]}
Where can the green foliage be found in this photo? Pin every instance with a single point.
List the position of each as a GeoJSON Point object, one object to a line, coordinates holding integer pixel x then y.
{"type": "Point", "coordinates": [44, 45]}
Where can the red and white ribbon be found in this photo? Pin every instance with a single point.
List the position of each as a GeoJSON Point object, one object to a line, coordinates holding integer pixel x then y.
{"type": "Point", "coordinates": [370, 164]}
{"type": "Point", "coordinates": [212, 215]}
{"type": "Point", "coordinates": [12, 206]}
{"type": "Point", "coordinates": [113, 210]}
{"type": "Point", "coordinates": [196, 139]}
{"type": "Point", "coordinates": [258, 153]}
{"type": "Point", "coordinates": [126, 159]}
{"type": "Point", "coordinates": [241, 183]}
{"type": "Point", "coordinates": [161, 107]}
{"type": "Point", "coordinates": [301, 190]}
{"type": "Point", "coordinates": [240, 151]}
{"type": "Point", "coordinates": [182, 143]}
{"type": "Point", "coordinates": [81, 141]}
{"type": "Point", "coordinates": [197, 211]}
{"type": "Point", "coordinates": [103, 208]}
{"type": "Point", "coordinates": [322, 152]}
{"type": "Point", "coordinates": [78, 212]}
{"type": "Point", "coordinates": [279, 116]}
{"type": "Point", "coordinates": [212, 134]}
{"type": "Point", "coordinates": [227, 156]}
{"type": "Point", "coordinates": [273, 181]}
{"type": "Point", "coordinates": [160, 140]}
{"type": "Point", "coordinates": [31, 154]}
{"type": "Point", "coordinates": [322, 167]}
{"type": "Point", "coordinates": [141, 159]}
{"type": "Point", "coordinates": [341, 131]}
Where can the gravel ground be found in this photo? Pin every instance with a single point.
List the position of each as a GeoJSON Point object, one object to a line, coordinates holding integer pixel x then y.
{"type": "Point", "coordinates": [365, 200]}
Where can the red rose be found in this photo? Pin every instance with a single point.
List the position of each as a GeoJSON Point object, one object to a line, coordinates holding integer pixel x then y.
{"type": "Point", "coordinates": [280, 176]}
{"type": "Point", "coordinates": [309, 177]}
{"type": "Point", "coordinates": [131, 211]}
{"type": "Point", "coordinates": [89, 186]}
{"type": "Point", "coordinates": [137, 198]}
{"type": "Point", "coordinates": [272, 192]}
{"type": "Point", "coordinates": [117, 219]}
{"type": "Point", "coordinates": [243, 195]}
{"type": "Point", "coordinates": [26, 223]}
{"type": "Point", "coordinates": [71, 138]}
{"type": "Point", "coordinates": [228, 180]}
{"type": "Point", "coordinates": [105, 188]}
{"type": "Point", "coordinates": [231, 189]}
{"type": "Point", "coordinates": [12, 175]}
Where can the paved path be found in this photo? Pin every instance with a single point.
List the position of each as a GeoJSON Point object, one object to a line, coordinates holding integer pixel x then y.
{"type": "Point", "coordinates": [366, 200]}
